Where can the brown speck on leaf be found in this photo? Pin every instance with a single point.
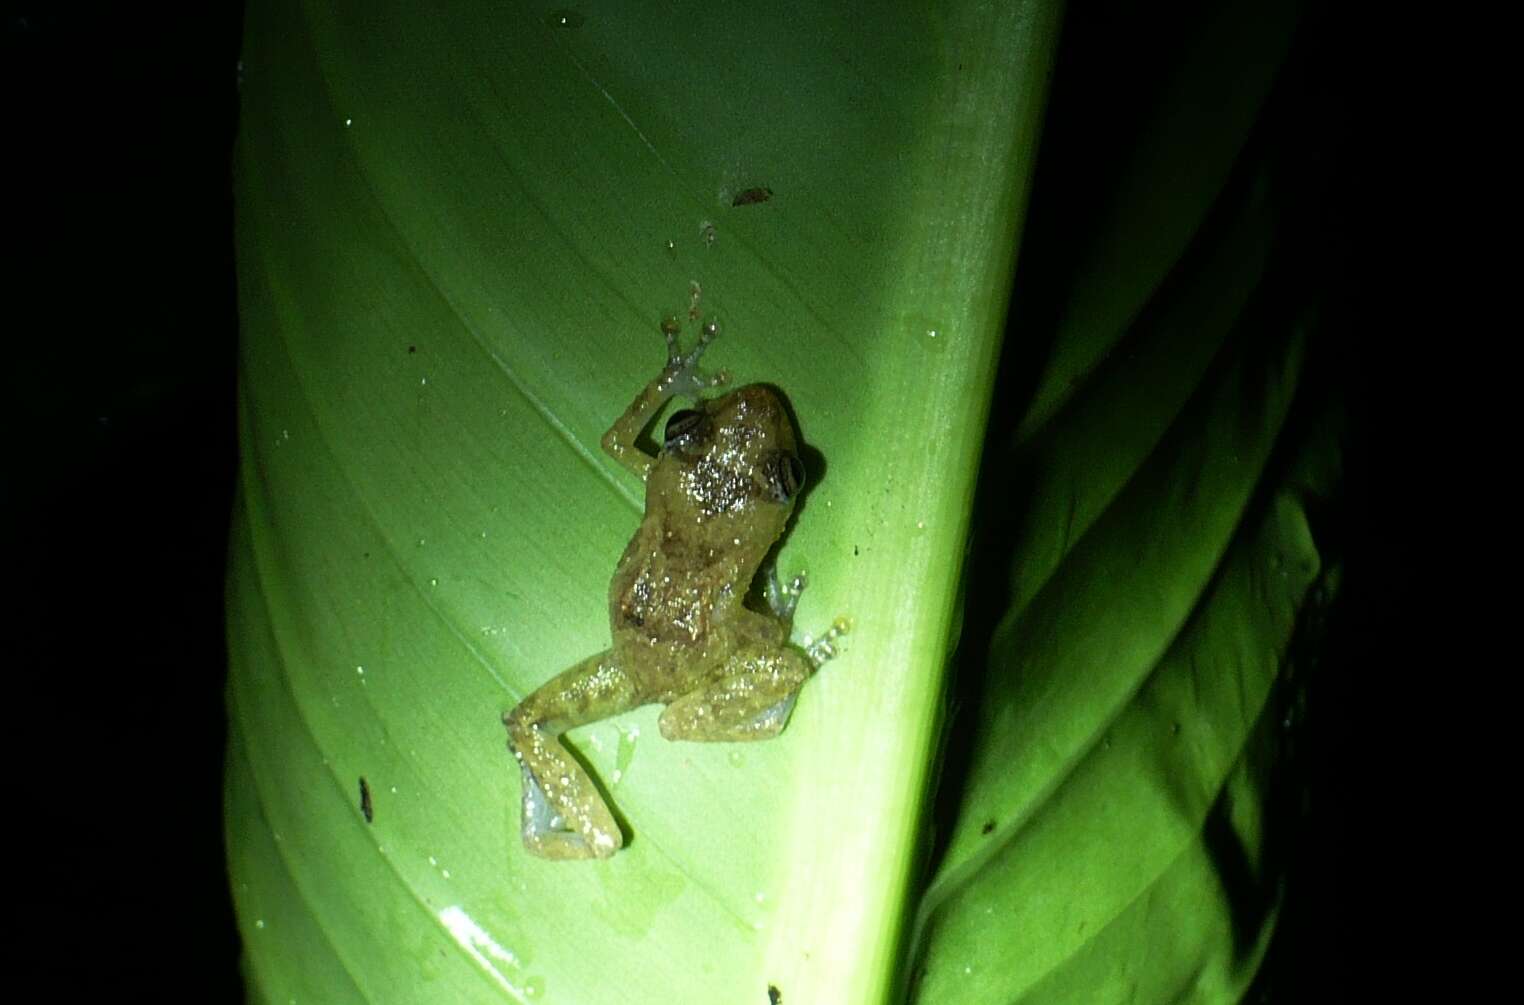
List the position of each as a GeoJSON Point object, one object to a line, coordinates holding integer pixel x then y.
{"type": "Point", "coordinates": [989, 825]}
{"type": "Point", "coordinates": [366, 809]}
{"type": "Point", "coordinates": [752, 195]}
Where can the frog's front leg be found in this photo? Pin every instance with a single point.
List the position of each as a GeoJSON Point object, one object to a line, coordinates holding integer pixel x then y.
{"type": "Point", "coordinates": [749, 698]}
{"type": "Point", "coordinates": [680, 376]}
{"type": "Point", "coordinates": [564, 816]}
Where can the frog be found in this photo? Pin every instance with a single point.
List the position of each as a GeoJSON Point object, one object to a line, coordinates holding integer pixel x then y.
{"type": "Point", "coordinates": [719, 493]}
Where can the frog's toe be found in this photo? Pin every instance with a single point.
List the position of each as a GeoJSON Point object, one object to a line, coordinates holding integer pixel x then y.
{"type": "Point", "coordinates": [824, 648]}
{"type": "Point", "coordinates": [783, 598]}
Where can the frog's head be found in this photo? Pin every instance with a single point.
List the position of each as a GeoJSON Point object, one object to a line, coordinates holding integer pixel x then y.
{"type": "Point", "coordinates": [737, 457]}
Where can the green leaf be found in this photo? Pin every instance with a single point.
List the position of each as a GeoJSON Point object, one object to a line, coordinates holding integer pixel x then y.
{"type": "Point", "coordinates": [459, 228]}
{"type": "Point", "coordinates": [1112, 784]}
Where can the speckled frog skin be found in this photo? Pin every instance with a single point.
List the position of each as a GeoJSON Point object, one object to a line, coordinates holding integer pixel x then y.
{"type": "Point", "coordinates": [718, 495]}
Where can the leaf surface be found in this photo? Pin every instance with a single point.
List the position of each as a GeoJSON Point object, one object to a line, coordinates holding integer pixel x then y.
{"type": "Point", "coordinates": [459, 227]}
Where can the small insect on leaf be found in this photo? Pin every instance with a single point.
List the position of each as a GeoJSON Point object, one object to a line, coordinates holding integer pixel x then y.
{"type": "Point", "coordinates": [366, 809]}
{"type": "Point", "coordinates": [752, 195]}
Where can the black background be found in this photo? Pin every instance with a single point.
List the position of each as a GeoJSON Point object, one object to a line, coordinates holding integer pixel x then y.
{"type": "Point", "coordinates": [119, 391]}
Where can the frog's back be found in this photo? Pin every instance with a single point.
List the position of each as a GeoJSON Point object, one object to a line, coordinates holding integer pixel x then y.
{"type": "Point", "coordinates": [666, 586]}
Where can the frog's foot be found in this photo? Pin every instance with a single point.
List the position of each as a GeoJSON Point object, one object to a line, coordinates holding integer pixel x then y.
{"type": "Point", "coordinates": [783, 598]}
{"type": "Point", "coordinates": [822, 649]}
{"type": "Point", "coordinates": [546, 833]}
{"type": "Point", "coordinates": [681, 374]}
{"type": "Point", "coordinates": [548, 829]}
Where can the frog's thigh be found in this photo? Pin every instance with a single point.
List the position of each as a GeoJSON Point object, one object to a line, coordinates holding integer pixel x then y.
{"type": "Point", "coordinates": [750, 699]}
{"type": "Point", "coordinates": [563, 814]}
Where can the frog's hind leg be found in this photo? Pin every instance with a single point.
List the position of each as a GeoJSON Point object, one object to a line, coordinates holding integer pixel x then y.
{"type": "Point", "coordinates": [749, 699]}
{"type": "Point", "coordinates": [564, 817]}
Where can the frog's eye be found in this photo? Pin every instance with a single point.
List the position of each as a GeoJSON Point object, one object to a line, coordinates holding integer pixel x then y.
{"type": "Point", "coordinates": [786, 475]}
{"type": "Point", "coordinates": [685, 426]}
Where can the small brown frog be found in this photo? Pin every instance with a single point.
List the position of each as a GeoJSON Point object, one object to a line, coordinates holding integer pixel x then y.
{"type": "Point", "coordinates": [718, 495]}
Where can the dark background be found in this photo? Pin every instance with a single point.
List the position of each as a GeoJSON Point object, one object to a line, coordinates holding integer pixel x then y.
{"type": "Point", "coordinates": [119, 395]}
{"type": "Point", "coordinates": [119, 388]}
